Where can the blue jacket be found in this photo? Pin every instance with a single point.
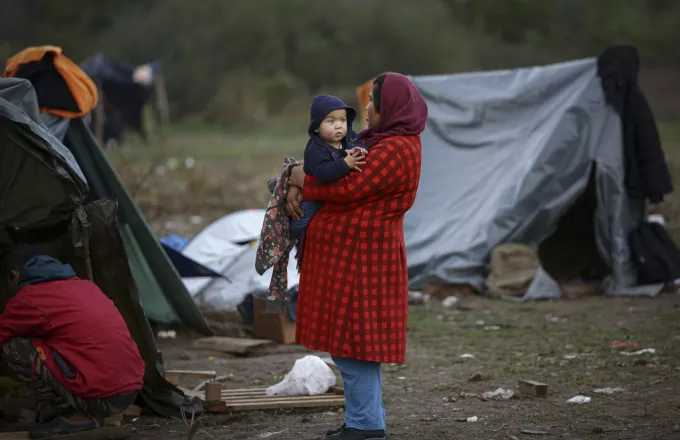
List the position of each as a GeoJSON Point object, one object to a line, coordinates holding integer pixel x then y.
{"type": "Point", "coordinates": [321, 160]}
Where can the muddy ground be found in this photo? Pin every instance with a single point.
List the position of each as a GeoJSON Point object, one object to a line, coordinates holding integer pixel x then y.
{"type": "Point", "coordinates": [565, 344]}
{"type": "Point", "coordinates": [193, 178]}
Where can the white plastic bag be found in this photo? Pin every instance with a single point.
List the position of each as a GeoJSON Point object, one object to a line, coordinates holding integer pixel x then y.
{"type": "Point", "coordinates": [579, 399]}
{"type": "Point", "coordinates": [310, 376]}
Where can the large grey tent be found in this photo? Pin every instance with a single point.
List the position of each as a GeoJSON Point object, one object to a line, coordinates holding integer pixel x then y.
{"type": "Point", "coordinates": [163, 295]}
{"type": "Point", "coordinates": [530, 155]}
{"type": "Point", "coordinates": [43, 201]}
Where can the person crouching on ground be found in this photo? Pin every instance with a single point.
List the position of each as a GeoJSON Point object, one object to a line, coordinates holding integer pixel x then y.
{"type": "Point", "coordinates": [67, 341]}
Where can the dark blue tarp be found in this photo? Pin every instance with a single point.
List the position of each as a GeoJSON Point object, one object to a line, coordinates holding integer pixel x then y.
{"type": "Point", "coordinates": [186, 267]}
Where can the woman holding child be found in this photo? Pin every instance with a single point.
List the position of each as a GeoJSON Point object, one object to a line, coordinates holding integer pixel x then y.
{"type": "Point", "coordinates": [353, 293]}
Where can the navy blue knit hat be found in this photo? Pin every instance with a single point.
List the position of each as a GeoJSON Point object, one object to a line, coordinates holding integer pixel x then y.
{"type": "Point", "coordinates": [322, 105]}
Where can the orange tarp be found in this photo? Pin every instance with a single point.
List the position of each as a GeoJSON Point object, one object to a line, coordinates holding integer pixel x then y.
{"type": "Point", "coordinates": [81, 86]}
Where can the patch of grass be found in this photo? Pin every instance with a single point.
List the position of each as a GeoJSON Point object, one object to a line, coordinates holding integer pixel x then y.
{"type": "Point", "coordinates": [565, 344]}
{"type": "Point", "coordinates": [537, 347]}
{"type": "Point", "coordinates": [670, 132]}
{"type": "Point", "coordinates": [197, 170]}
{"type": "Point", "coordinates": [293, 128]}
{"type": "Point", "coordinates": [216, 145]}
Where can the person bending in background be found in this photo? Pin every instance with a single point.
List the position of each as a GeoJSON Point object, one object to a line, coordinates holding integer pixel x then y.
{"type": "Point", "coordinates": [66, 340]}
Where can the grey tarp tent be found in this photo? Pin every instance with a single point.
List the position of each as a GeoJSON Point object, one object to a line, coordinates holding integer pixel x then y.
{"type": "Point", "coordinates": [506, 156]}
{"type": "Point", "coordinates": [42, 191]}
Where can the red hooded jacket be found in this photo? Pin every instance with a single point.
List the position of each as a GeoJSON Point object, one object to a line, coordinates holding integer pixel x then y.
{"type": "Point", "coordinates": [77, 330]}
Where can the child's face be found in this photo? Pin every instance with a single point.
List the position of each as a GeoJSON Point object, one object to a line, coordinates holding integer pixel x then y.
{"type": "Point", "coordinates": [333, 128]}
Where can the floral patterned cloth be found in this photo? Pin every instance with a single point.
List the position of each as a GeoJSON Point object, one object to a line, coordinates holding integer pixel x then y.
{"type": "Point", "coordinates": [275, 241]}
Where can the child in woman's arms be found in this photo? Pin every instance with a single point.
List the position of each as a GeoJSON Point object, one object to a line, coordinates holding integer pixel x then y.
{"type": "Point", "coordinates": [332, 152]}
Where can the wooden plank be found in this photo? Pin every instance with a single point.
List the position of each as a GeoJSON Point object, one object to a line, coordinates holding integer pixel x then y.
{"type": "Point", "coordinates": [282, 398]}
{"type": "Point", "coordinates": [189, 393]}
{"type": "Point", "coordinates": [244, 390]}
{"type": "Point", "coordinates": [265, 404]}
{"type": "Point", "coordinates": [244, 393]}
{"type": "Point", "coordinates": [335, 391]}
{"type": "Point", "coordinates": [331, 364]}
{"type": "Point", "coordinates": [195, 373]}
{"type": "Point", "coordinates": [231, 345]}
{"type": "Point", "coordinates": [284, 405]}
{"type": "Point", "coordinates": [533, 388]}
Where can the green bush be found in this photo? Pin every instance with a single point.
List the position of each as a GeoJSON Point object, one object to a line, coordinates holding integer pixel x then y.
{"type": "Point", "coordinates": [250, 60]}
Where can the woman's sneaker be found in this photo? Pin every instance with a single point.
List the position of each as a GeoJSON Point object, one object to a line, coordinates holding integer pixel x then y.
{"type": "Point", "coordinates": [345, 433]}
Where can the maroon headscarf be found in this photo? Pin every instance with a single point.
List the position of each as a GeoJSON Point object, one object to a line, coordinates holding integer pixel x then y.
{"type": "Point", "coordinates": [403, 111]}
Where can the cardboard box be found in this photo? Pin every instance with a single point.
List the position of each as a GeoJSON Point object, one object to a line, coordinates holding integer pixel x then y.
{"type": "Point", "coordinates": [277, 328]}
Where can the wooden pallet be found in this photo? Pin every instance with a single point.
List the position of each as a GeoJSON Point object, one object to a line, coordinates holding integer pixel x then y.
{"type": "Point", "coordinates": [255, 399]}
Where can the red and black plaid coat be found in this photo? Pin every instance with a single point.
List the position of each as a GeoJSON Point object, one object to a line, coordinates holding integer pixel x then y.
{"type": "Point", "coordinates": [353, 294]}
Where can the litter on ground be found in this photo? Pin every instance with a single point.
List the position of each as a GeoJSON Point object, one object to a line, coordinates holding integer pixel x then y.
{"type": "Point", "coordinates": [608, 390]}
{"type": "Point", "coordinates": [625, 344]}
{"type": "Point", "coordinates": [499, 394]}
{"type": "Point", "coordinates": [639, 352]}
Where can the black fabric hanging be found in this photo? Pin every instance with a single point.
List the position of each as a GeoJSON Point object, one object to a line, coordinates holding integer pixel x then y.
{"type": "Point", "coordinates": [646, 171]}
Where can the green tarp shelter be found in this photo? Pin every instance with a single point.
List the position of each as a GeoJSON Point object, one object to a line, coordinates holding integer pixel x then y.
{"type": "Point", "coordinates": [164, 297]}
{"type": "Point", "coordinates": [45, 200]}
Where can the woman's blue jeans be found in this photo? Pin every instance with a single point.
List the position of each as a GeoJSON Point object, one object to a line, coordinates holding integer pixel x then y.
{"type": "Point", "coordinates": [364, 408]}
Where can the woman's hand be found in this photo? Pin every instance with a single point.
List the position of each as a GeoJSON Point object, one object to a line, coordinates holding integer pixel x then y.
{"type": "Point", "coordinates": [297, 176]}
{"type": "Point", "coordinates": [293, 200]}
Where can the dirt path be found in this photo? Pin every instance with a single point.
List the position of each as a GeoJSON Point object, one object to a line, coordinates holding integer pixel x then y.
{"type": "Point", "coordinates": [564, 344]}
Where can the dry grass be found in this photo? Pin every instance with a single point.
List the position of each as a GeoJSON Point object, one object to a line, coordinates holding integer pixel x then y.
{"type": "Point", "coordinates": [670, 134]}
{"type": "Point", "coordinates": [199, 175]}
